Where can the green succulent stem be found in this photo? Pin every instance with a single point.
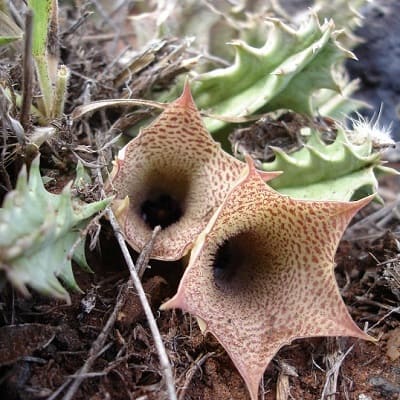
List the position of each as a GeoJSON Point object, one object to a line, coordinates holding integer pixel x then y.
{"type": "Point", "coordinates": [46, 88]}
{"type": "Point", "coordinates": [44, 32]}
{"type": "Point", "coordinates": [285, 73]}
{"type": "Point", "coordinates": [63, 75]}
{"type": "Point", "coordinates": [340, 171]}
{"type": "Point", "coordinates": [38, 229]}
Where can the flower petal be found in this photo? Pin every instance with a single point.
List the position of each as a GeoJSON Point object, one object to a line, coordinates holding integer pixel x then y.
{"type": "Point", "coordinates": [174, 175]}
{"type": "Point", "coordinates": [261, 274]}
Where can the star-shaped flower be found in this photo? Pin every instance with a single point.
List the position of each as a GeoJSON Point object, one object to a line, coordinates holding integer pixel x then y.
{"type": "Point", "coordinates": [261, 274]}
{"type": "Point", "coordinates": [173, 174]}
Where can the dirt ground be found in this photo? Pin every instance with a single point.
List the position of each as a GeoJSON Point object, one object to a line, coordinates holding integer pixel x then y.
{"type": "Point", "coordinates": [44, 343]}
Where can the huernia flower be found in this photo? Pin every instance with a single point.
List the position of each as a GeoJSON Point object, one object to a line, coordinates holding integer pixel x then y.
{"type": "Point", "coordinates": [173, 174]}
{"type": "Point", "coordinates": [261, 274]}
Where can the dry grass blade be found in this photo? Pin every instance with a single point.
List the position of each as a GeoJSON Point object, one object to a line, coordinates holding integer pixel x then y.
{"type": "Point", "coordinates": [283, 384]}
{"type": "Point", "coordinates": [333, 359]}
{"type": "Point", "coordinates": [100, 104]}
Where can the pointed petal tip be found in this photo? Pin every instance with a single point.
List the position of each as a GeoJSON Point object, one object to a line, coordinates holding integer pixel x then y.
{"type": "Point", "coordinates": [350, 208]}
{"type": "Point", "coordinates": [252, 387]}
{"type": "Point", "coordinates": [361, 335]}
{"type": "Point", "coordinates": [252, 380]}
{"type": "Point", "coordinates": [202, 325]}
{"type": "Point", "coordinates": [250, 164]}
{"type": "Point", "coordinates": [351, 329]}
{"type": "Point", "coordinates": [174, 302]}
{"type": "Point", "coordinates": [265, 175]}
{"type": "Point", "coordinates": [358, 204]}
{"type": "Point", "coordinates": [165, 306]}
{"type": "Point", "coordinates": [369, 338]}
{"type": "Point", "coordinates": [121, 155]}
{"type": "Point", "coordinates": [186, 98]}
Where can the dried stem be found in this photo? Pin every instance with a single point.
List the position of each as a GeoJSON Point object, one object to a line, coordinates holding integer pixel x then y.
{"type": "Point", "coordinates": [283, 383]}
{"type": "Point", "coordinates": [334, 360]}
{"type": "Point", "coordinates": [143, 259]}
{"type": "Point", "coordinates": [162, 354]}
{"type": "Point", "coordinates": [27, 80]}
{"type": "Point", "coordinates": [197, 364]}
{"type": "Point", "coordinates": [98, 345]}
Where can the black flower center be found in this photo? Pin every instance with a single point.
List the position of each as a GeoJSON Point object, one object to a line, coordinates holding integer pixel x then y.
{"type": "Point", "coordinates": [164, 197]}
{"type": "Point", "coordinates": [241, 262]}
{"type": "Point", "coordinates": [231, 261]}
{"type": "Point", "coordinates": [224, 265]}
{"type": "Point", "coordinates": [161, 209]}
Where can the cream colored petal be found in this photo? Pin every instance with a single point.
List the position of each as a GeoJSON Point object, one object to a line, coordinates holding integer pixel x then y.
{"type": "Point", "coordinates": [261, 274]}
{"type": "Point", "coordinates": [173, 172]}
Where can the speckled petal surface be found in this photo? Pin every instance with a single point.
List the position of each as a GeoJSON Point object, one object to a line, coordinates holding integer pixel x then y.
{"type": "Point", "coordinates": [275, 282]}
{"type": "Point", "coordinates": [174, 156]}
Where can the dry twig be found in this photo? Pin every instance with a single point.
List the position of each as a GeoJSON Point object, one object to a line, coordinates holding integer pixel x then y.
{"type": "Point", "coordinates": [283, 384]}
{"type": "Point", "coordinates": [200, 360]}
{"type": "Point", "coordinates": [144, 256]}
{"type": "Point", "coordinates": [162, 354]}
{"type": "Point", "coordinates": [334, 360]}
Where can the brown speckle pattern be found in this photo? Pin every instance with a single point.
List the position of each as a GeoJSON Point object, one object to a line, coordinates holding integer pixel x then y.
{"type": "Point", "coordinates": [286, 287]}
{"type": "Point", "coordinates": [176, 155]}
